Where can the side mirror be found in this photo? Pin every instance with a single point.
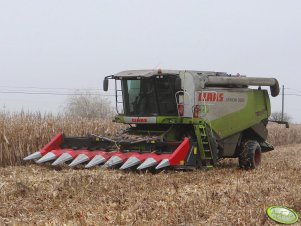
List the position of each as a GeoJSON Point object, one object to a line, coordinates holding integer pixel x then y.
{"type": "Point", "coordinates": [105, 84]}
{"type": "Point", "coordinates": [178, 84]}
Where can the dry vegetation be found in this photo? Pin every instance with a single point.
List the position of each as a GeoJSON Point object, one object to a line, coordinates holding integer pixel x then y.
{"type": "Point", "coordinates": [225, 195]}
{"type": "Point", "coordinates": [279, 135]}
{"type": "Point", "coordinates": [24, 133]}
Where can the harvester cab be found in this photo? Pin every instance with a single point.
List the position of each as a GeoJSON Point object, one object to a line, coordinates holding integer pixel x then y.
{"type": "Point", "coordinates": [148, 95]}
{"type": "Point", "coordinates": [177, 119]}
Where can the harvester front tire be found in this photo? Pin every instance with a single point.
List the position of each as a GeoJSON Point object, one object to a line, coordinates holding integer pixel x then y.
{"type": "Point", "coordinates": [250, 156]}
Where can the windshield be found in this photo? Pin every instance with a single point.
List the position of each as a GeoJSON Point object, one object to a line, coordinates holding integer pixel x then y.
{"type": "Point", "coordinates": [149, 96]}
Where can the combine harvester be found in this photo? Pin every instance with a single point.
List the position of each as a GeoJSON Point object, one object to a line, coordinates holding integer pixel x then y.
{"type": "Point", "coordinates": [177, 119]}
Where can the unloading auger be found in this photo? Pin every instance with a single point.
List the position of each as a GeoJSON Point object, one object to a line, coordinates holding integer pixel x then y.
{"type": "Point", "coordinates": [177, 119]}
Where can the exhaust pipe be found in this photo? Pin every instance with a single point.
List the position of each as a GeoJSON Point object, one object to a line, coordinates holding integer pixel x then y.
{"type": "Point", "coordinates": [244, 81]}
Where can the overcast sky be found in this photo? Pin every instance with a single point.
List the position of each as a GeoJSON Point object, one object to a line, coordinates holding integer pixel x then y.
{"type": "Point", "coordinates": [74, 44]}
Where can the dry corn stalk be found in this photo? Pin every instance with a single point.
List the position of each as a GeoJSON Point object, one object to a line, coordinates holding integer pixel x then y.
{"type": "Point", "coordinates": [23, 133]}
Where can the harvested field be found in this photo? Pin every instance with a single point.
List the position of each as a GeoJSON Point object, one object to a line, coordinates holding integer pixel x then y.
{"type": "Point", "coordinates": [225, 195]}
{"type": "Point", "coordinates": [42, 195]}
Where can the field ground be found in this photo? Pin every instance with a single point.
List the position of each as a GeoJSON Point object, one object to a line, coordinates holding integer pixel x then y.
{"type": "Point", "coordinates": [225, 195]}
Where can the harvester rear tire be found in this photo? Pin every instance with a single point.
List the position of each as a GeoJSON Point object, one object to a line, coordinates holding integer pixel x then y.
{"type": "Point", "coordinates": [250, 156]}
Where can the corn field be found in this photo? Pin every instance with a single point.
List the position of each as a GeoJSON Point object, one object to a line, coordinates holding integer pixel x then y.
{"type": "Point", "coordinates": [24, 133]}
{"type": "Point", "coordinates": [38, 195]}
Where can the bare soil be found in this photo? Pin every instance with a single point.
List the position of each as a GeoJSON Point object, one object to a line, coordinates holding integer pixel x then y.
{"type": "Point", "coordinates": [41, 195]}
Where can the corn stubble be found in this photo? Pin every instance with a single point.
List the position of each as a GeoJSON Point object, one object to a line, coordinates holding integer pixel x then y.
{"type": "Point", "coordinates": [33, 194]}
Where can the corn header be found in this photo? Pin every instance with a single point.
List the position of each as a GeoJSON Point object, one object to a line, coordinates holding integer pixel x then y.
{"type": "Point", "coordinates": [177, 119]}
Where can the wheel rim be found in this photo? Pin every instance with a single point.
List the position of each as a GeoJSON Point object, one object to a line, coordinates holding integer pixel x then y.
{"type": "Point", "coordinates": [257, 157]}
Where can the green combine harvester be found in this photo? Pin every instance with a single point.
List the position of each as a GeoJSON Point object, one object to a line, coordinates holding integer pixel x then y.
{"type": "Point", "coordinates": [177, 119]}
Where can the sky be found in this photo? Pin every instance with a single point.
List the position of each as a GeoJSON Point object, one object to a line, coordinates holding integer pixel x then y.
{"type": "Point", "coordinates": [56, 46]}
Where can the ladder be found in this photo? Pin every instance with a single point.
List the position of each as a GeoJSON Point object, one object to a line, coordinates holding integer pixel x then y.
{"type": "Point", "coordinates": [205, 145]}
